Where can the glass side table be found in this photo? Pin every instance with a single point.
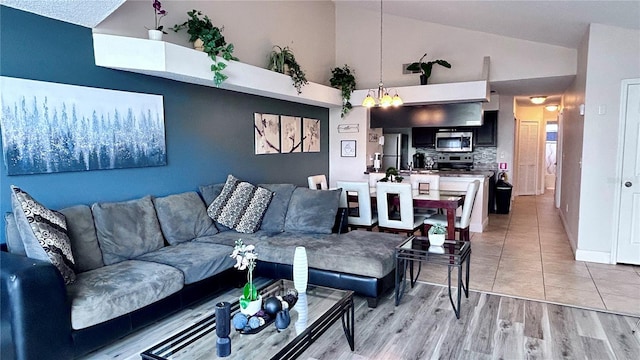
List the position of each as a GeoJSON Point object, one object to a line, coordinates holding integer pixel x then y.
{"type": "Point", "coordinates": [452, 253]}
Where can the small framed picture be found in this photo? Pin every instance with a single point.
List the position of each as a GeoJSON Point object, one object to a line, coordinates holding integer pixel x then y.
{"type": "Point", "coordinates": [348, 148]}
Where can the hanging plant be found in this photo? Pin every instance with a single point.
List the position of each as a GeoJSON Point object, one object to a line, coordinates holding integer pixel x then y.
{"type": "Point", "coordinates": [214, 43]}
{"type": "Point", "coordinates": [344, 79]}
{"type": "Point", "coordinates": [282, 60]}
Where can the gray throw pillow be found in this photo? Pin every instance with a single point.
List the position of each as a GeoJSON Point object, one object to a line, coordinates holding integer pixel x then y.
{"type": "Point", "coordinates": [312, 211]}
{"type": "Point", "coordinates": [240, 205]}
{"type": "Point", "coordinates": [84, 242]}
{"type": "Point", "coordinates": [210, 193]}
{"type": "Point", "coordinates": [44, 233]}
{"type": "Point", "coordinates": [277, 211]}
{"type": "Point", "coordinates": [127, 229]}
{"type": "Point", "coordinates": [183, 217]}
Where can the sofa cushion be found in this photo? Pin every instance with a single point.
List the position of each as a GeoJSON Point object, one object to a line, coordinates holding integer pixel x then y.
{"type": "Point", "coordinates": [312, 211]}
{"type": "Point", "coordinates": [196, 260]}
{"type": "Point", "coordinates": [43, 232]}
{"type": "Point", "coordinates": [14, 242]}
{"type": "Point", "coordinates": [183, 217]}
{"type": "Point", "coordinates": [350, 253]}
{"type": "Point", "coordinates": [210, 193]}
{"type": "Point", "coordinates": [229, 237]}
{"type": "Point", "coordinates": [82, 233]}
{"type": "Point", "coordinates": [240, 205]}
{"type": "Point", "coordinates": [127, 229]}
{"type": "Point", "coordinates": [110, 291]}
{"type": "Point", "coordinates": [277, 211]}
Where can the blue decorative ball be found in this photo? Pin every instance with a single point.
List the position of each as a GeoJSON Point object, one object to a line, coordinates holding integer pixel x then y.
{"type": "Point", "coordinates": [254, 322]}
{"type": "Point", "coordinates": [272, 305]}
{"type": "Point", "coordinates": [240, 321]}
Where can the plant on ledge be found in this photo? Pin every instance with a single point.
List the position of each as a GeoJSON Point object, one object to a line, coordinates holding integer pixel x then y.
{"type": "Point", "coordinates": [282, 60]}
{"type": "Point", "coordinates": [246, 259]}
{"type": "Point", "coordinates": [343, 78]}
{"type": "Point", "coordinates": [159, 13]}
{"type": "Point", "coordinates": [213, 42]}
{"type": "Point", "coordinates": [426, 67]}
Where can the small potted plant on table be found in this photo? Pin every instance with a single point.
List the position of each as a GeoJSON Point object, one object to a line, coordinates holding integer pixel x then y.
{"type": "Point", "coordinates": [250, 301]}
{"type": "Point", "coordinates": [437, 234]}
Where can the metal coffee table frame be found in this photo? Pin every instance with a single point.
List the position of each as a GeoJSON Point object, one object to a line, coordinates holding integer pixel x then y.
{"type": "Point", "coordinates": [455, 254]}
{"type": "Point", "coordinates": [343, 309]}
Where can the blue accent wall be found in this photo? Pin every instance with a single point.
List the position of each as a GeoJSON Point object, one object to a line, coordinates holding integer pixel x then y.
{"type": "Point", "coordinates": [209, 131]}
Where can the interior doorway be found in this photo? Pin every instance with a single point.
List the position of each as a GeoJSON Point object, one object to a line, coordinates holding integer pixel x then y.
{"type": "Point", "coordinates": [550, 154]}
{"type": "Point", "coordinates": [527, 154]}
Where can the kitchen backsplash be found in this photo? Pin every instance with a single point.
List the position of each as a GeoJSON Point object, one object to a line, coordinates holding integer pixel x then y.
{"type": "Point", "coordinates": [483, 157]}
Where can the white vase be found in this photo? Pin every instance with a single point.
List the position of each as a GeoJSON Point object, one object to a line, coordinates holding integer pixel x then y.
{"type": "Point", "coordinates": [155, 35]}
{"type": "Point", "coordinates": [302, 306]}
{"type": "Point", "coordinates": [436, 239]}
{"type": "Point", "coordinates": [300, 269]}
{"type": "Point", "coordinates": [253, 307]}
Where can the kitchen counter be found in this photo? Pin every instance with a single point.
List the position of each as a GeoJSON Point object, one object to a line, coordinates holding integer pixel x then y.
{"type": "Point", "coordinates": [444, 173]}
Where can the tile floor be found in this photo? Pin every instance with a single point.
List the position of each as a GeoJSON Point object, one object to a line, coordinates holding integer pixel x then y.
{"type": "Point", "coordinates": [527, 254]}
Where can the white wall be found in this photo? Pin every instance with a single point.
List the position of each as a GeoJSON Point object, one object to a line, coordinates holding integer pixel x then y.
{"type": "Point", "coordinates": [307, 27]}
{"type": "Point", "coordinates": [506, 133]}
{"type": "Point", "coordinates": [613, 55]}
{"type": "Point", "coordinates": [405, 40]}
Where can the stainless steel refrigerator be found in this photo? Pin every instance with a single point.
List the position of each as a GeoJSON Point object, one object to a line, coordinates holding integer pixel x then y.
{"type": "Point", "coordinates": [395, 151]}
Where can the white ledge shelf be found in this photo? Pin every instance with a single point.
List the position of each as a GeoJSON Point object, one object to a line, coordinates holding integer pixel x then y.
{"type": "Point", "coordinates": [175, 62]}
{"type": "Point", "coordinates": [467, 91]}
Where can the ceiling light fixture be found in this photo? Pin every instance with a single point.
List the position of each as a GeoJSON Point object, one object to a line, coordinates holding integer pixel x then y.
{"type": "Point", "coordinates": [383, 98]}
{"type": "Point", "coordinates": [538, 99]}
{"type": "Point", "coordinates": [551, 107]}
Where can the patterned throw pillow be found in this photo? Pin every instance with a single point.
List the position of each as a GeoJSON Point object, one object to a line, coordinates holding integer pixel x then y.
{"type": "Point", "coordinates": [240, 205]}
{"type": "Point", "coordinates": [50, 230]}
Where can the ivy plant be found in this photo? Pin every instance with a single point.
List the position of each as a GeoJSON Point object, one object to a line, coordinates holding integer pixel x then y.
{"type": "Point", "coordinates": [282, 60]}
{"type": "Point", "coordinates": [201, 27]}
{"type": "Point", "coordinates": [343, 78]}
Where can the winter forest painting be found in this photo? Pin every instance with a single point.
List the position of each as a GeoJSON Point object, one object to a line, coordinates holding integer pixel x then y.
{"type": "Point", "coordinates": [49, 127]}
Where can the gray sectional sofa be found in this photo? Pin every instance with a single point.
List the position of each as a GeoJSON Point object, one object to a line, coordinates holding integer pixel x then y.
{"type": "Point", "coordinates": [140, 260]}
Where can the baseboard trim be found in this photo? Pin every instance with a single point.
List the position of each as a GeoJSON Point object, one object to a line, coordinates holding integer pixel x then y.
{"type": "Point", "coordinates": [594, 256]}
{"type": "Point", "coordinates": [572, 240]}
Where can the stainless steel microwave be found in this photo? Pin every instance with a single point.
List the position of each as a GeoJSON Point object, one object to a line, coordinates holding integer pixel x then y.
{"type": "Point", "coordinates": [454, 141]}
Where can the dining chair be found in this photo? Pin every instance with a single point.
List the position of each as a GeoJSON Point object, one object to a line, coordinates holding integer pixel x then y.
{"type": "Point", "coordinates": [360, 215]}
{"type": "Point", "coordinates": [397, 216]}
{"type": "Point", "coordinates": [318, 182]}
{"type": "Point", "coordinates": [420, 182]}
{"type": "Point", "coordinates": [463, 221]}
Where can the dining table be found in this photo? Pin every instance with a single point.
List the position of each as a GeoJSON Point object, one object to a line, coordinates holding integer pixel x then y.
{"type": "Point", "coordinates": [448, 200]}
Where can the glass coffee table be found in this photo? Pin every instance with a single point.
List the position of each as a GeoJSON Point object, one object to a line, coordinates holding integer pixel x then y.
{"type": "Point", "coordinates": [315, 312]}
{"type": "Point", "coordinates": [452, 253]}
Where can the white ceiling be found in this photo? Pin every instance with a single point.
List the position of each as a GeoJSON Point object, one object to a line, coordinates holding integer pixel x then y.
{"type": "Point", "coordinates": [556, 22]}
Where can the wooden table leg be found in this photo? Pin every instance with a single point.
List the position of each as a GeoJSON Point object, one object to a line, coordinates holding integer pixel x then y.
{"type": "Point", "coordinates": [451, 224]}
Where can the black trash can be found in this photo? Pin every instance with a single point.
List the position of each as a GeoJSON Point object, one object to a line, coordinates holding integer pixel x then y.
{"type": "Point", "coordinates": [503, 197]}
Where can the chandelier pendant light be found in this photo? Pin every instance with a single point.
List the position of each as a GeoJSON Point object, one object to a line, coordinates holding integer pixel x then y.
{"type": "Point", "coordinates": [383, 99]}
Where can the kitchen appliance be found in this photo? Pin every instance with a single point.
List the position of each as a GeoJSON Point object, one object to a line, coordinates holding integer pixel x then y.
{"type": "Point", "coordinates": [454, 141]}
{"type": "Point", "coordinates": [376, 161]}
{"type": "Point", "coordinates": [418, 161]}
{"type": "Point", "coordinates": [460, 162]}
{"type": "Point", "coordinates": [396, 151]}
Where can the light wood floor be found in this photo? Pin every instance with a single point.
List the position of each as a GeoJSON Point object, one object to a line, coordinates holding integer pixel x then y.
{"type": "Point", "coordinates": [424, 326]}
{"type": "Point", "coordinates": [528, 254]}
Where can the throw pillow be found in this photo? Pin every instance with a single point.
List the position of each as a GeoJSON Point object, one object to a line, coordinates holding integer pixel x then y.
{"type": "Point", "coordinates": [240, 205]}
{"type": "Point", "coordinates": [47, 229]}
{"type": "Point", "coordinates": [210, 193]}
{"type": "Point", "coordinates": [277, 211]}
{"type": "Point", "coordinates": [127, 229]}
{"type": "Point", "coordinates": [312, 211]}
{"type": "Point", "coordinates": [183, 217]}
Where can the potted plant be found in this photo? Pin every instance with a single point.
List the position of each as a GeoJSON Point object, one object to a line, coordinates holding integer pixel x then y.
{"type": "Point", "coordinates": [343, 78]}
{"type": "Point", "coordinates": [282, 60]}
{"type": "Point", "coordinates": [437, 234]}
{"type": "Point", "coordinates": [245, 256]}
{"type": "Point", "coordinates": [392, 175]}
{"type": "Point", "coordinates": [213, 42]}
{"type": "Point", "coordinates": [159, 13]}
{"type": "Point", "coordinates": [426, 67]}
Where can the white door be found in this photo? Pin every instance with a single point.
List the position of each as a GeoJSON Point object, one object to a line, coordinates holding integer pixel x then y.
{"type": "Point", "coordinates": [528, 150]}
{"type": "Point", "coordinates": [629, 218]}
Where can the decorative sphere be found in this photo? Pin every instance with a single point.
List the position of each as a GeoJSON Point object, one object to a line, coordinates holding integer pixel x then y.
{"type": "Point", "coordinates": [272, 305]}
{"type": "Point", "coordinates": [240, 321]}
{"type": "Point", "coordinates": [254, 322]}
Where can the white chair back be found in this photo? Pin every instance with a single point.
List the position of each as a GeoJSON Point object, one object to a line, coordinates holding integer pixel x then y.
{"type": "Point", "coordinates": [472, 190]}
{"type": "Point", "coordinates": [431, 179]}
{"type": "Point", "coordinates": [374, 178]}
{"type": "Point", "coordinates": [365, 215]}
{"type": "Point", "coordinates": [318, 182]}
{"type": "Point", "coordinates": [403, 191]}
